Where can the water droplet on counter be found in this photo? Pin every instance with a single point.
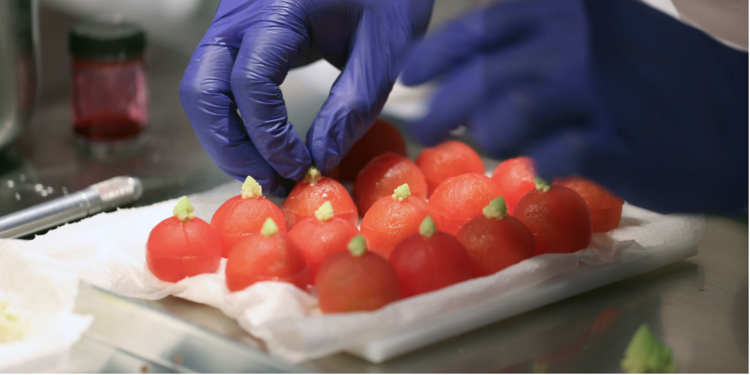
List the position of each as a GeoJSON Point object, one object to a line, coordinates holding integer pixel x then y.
{"type": "Point", "coordinates": [11, 183]}
{"type": "Point", "coordinates": [64, 190]}
{"type": "Point", "coordinates": [22, 177]}
{"type": "Point", "coordinates": [38, 187]}
{"type": "Point", "coordinates": [50, 189]}
{"type": "Point", "coordinates": [18, 197]}
{"type": "Point", "coordinates": [43, 193]}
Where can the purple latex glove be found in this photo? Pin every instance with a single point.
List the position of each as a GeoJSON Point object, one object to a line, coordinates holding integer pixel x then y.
{"type": "Point", "coordinates": [246, 54]}
{"type": "Point", "coordinates": [612, 90]}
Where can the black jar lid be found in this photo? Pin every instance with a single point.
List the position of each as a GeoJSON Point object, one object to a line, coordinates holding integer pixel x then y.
{"type": "Point", "coordinates": [107, 40]}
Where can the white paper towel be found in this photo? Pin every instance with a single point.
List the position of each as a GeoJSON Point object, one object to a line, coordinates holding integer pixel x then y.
{"type": "Point", "coordinates": [42, 291]}
{"type": "Point", "coordinates": [110, 251]}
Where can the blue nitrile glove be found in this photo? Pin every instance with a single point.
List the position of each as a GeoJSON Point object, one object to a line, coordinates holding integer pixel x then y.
{"type": "Point", "coordinates": [245, 56]}
{"type": "Point", "coordinates": [612, 90]}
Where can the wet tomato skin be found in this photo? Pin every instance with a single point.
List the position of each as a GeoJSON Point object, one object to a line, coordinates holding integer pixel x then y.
{"type": "Point", "coordinates": [559, 220]}
{"type": "Point", "coordinates": [319, 240]}
{"type": "Point", "coordinates": [305, 198]}
{"type": "Point", "coordinates": [260, 258]}
{"type": "Point", "coordinates": [176, 250]}
{"type": "Point", "coordinates": [605, 207]}
{"type": "Point", "coordinates": [424, 264]}
{"type": "Point", "coordinates": [382, 175]}
{"type": "Point", "coordinates": [495, 244]}
{"type": "Point", "coordinates": [346, 283]}
{"type": "Point", "coordinates": [390, 221]}
{"type": "Point", "coordinates": [448, 159]}
{"type": "Point", "coordinates": [460, 199]}
{"type": "Point", "coordinates": [515, 177]}
{"type": "Point", "coordinates": [239, 218]}
{"type": "Point", "coordinates": [382, 137]}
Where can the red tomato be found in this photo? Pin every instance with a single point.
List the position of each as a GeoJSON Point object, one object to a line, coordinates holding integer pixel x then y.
{"type": "Point", "coordinates": [383, 174]}
{"type": "Point", "coordinates": [381, 138]}
{"type": "Point", "coordinates": [605, 207]}
{"type": "Point", "coordinates": [391, 220]}
{"type": "Point", "coordinates": [243, 215]}
{"type": "Point", "coordinates": [558, 218]}
{"type": "Point", "coordinates": [178, 249]}
{"type": "Point", "coordinates": [310, 193]}
{"type": "Point", "coordinates": [515, 178]}
{"type": "Point", "coordinates": [448, 159]}
{"type": "Point", "coordinates": [429, 261]}
{"type": "Point", "coordinates": [356, 281]}
{"type": "Point", "coordinates": [460, 199]}
{"type": "Point", "coordinates": [319, 239]}
{"type": "Point", "coordinates": [495, 241]}
{"type": "Point", "coordinates": [263, 257]}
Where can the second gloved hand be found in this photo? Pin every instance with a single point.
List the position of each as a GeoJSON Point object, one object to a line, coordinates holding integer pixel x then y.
{"type": "Point", "coordinates": [613, 90]}
{"type": "Point", "coordinates": [246, 54]}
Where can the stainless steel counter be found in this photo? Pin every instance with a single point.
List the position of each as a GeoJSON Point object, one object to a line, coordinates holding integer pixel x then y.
{"type": "Point", "coordinates": [698, 306]}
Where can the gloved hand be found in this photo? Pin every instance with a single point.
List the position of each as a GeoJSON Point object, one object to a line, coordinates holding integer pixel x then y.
{"type": "Point", "coordinates": [246, 54]}
{"type": "Point", "coordinates": [612, 90]}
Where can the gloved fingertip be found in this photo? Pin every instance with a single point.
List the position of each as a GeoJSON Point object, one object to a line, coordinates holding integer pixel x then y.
{"type": "Point", "coordinates": [329, 164]}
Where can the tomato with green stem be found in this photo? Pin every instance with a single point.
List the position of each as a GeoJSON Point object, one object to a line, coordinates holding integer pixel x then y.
{"type": "Point", "coordinates": [557, 217]}
{"type": "Point", "coordinates": [495, 240]}
{"type": "Point", "coordinates": [356, 280]}
{"type": "Point", "coordinates": [322, 236]}
{"type": "Point", "coordinates": [270, 255]}
{"type": "Point", "coordinates": [393, 218]}
{"type": "Point", "coordinates": [429, 260]}
{"type": "Point", "coordinates": [182, 245]}
{"type": "Point", "coordinates": [312, 192]}
{"type": "Point", "coordinates": [244, 215]}
{"type": "Point", "coordinates": [383, 174]}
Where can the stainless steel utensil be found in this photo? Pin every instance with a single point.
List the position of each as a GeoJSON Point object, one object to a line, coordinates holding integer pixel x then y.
{"type": "Point", "coordinates": [96, 198]}
{"type": "Point", "coordinates": [18, 66]}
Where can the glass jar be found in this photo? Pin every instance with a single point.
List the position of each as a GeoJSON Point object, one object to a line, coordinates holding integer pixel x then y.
{"type": "Point", "coordinates": [109, 108]}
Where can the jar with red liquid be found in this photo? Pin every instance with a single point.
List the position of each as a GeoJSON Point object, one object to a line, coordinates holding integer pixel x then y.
{"type": "Point", "coordinates": [109, 107]}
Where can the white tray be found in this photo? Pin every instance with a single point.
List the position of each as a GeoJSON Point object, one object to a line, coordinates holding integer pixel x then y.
{"type": "Point", "coordinates": [580, 280]}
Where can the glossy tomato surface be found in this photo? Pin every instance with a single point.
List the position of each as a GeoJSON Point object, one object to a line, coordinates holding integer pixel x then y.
{"type": "Point", "coordinates": [318, 240]}
{"type": "Point", "coordinates": [460, 199]}
{"type": "Point", "coordinates": [238, 218]}
{"type": "Point", "coordinates": [305, 198]}
{"type": "Point", "coordinates": [559, 220]}
{"type": "Point", "coordinates": [346, 283]}
{"type": "Point", "coordinates": [495, 244]}
{"type": "Point", "coordinates": [605, 207]}
{"type": "Point", "coordinates": [448, 159]}
{"type": "Point", "coordinates": [390, 221]}
{"type": "Point", "coordinates": [424, 264]}
{"type": "Point", "coordinates": [384, 174]}
{"type": "Point", "coordinates": [381, 138]}
{"type": "Point", "coordinates": [260, 258]}
{"type": "Point", "coordinates": [515, 178]}
{"type": "Point", "coordinates": [176, 250]}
